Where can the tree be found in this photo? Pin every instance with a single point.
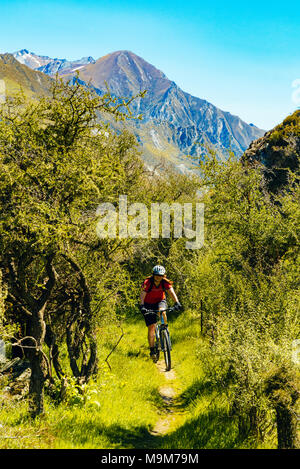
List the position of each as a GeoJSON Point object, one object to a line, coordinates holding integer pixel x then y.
{"type": "Point", "coordinates": [57, 164]}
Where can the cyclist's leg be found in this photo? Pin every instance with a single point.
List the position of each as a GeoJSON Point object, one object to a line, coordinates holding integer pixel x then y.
{"type": "Point", "coordinates": [151, 341]}
{"type": "Point", "coordinates": [151, 335]}
{"type": "Point", "coordinates": [151, 324]}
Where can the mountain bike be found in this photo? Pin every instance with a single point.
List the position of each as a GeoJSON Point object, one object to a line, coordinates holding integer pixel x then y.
{"type": "Point", "coordinates": [162, 338]}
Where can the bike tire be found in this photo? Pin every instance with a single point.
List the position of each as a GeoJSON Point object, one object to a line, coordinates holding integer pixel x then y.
{"type": "Point", "coordinates": [166, 349]}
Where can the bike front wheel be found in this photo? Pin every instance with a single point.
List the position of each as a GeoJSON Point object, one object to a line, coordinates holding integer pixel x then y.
{"type": "Point", "coordinates": [166, 349]}
{"type": "Point", "coordinates": [157, 344]}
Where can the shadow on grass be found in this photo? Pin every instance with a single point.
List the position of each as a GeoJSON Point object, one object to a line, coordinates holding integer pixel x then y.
{"type": "Point", "coordinates": [93, 435]}
{"type": "Point", "coordinates": [210, 430]}
{"type": "Point", "coordinates": [198, 388]}
{"type": "Point", "coordinates": [213, 430]}
{"type": "Point", "coordinates": [137, 437]}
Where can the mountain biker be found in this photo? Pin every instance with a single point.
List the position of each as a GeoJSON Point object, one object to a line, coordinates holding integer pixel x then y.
{"type": "Point", "coordinates": [153, 297]}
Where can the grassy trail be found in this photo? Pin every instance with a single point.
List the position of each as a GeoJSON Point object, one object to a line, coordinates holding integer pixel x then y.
{"type": "Point", "coordinates": [134, 403]}
{"type": "Point", "coordinates": [168, 414]}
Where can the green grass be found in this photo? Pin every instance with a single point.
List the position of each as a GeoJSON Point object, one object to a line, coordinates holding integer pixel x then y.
{"type": "Point", "coordinates": [206, 421]}
{"type": "Point", "coordinates": [120, 408]}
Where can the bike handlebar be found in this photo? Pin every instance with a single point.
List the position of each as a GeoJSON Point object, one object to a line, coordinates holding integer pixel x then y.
{"type": "Point", "coordinates": [151, 311]}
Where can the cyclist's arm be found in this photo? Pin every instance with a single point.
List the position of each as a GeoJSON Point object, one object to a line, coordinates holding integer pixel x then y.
{"type": "Point", "coordinates": [172, 294]}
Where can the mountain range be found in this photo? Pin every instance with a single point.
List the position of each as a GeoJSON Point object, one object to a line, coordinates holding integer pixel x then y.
{"type": "Point", "coordinates": [174, 123]}
{"type": "Point", "coordinates": [50, 66]}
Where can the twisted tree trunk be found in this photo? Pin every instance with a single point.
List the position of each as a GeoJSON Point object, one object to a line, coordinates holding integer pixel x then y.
{"type": "Point", "coordinates": [50, 340]}
{"type": "Point", "coordinates": [286, 427]}
{"type": "Point", "coordinates": [37, 364]}
{"type": "Point", "coordinates": [33, 310]}
{"type": "Point", "coordinates": [80, 339]}
{"type": "Point", "coordinates": [283, 389]}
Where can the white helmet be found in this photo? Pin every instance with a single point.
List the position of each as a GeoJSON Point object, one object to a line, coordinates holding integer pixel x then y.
{"type": "Point", "coordinates": [159, 270]}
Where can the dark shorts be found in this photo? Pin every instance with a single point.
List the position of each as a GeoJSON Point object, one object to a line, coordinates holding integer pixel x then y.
{"type": "Point", "coordinates": [152, 318]}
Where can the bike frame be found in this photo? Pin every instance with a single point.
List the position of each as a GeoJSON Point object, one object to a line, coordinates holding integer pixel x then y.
{"type": "Point", "coordinates": [159, 336]}
{"type": "Point", "coordinates": [159, 327]}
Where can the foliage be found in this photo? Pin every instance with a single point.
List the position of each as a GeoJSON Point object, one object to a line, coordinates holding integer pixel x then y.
{"type": "Point", "coordinates": [76, 294]}
{"type": "Point", "coordinates": [246, 284]}
{"type": "Point", "coordinates": [57, 164]}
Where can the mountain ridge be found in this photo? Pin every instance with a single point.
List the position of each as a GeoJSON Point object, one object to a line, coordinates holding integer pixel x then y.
{"type": "Point", "coordinates": [49, 66]}
{"type": "Point", "coordinates": [174, 123]}
{"type": "Point", "coordinates": [195, 119]}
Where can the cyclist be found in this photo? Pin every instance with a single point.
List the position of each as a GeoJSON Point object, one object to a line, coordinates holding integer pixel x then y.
{"type": "Point", "coordinates": [153, 297]}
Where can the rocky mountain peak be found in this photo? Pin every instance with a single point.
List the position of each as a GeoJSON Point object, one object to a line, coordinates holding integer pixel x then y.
{"type": "Point", "coordinates": [22, 52]}
{"type": "Point", "coordinates": [30, 59]}
{"type": "Point", "coordinates": [187, 120]}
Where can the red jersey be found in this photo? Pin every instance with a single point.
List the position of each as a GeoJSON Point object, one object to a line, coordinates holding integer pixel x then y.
{"type": "Point", "coordinates": [155, 294]}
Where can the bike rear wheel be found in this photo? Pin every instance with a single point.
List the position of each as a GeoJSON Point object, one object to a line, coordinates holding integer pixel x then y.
{"type": "Point", "coordinates": [166, 349]}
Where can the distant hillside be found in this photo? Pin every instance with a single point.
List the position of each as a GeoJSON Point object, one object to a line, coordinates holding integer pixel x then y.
{"type": "Point", "coordinates": [278, 150]}
{"type": "Point", "coordinates": [17, 75]}
{"type": "Point", "coordinates": [48, 65]}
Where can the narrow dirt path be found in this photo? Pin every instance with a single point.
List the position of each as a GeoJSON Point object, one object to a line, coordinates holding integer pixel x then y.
{"type": "Point", "coordinates": [168, 394]}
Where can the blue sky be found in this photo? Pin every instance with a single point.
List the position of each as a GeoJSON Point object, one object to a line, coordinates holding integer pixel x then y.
{"type": "Point", "coordinates": [242, 57]}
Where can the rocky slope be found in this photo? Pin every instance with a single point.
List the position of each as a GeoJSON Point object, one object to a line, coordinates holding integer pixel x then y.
{"type": "Point", "coordinates": [30, 59]}
{"type": "Point", "coordinates": [62, 66]}
{"type": "Point", "coordinates": [278, 150]}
